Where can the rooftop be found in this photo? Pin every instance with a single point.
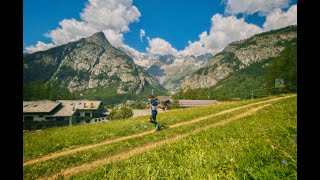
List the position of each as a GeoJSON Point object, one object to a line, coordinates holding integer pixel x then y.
{"type": "Point", "coordinates": [164, 98]}
{"type": "Point", "coordinates": [68, 107]}
{"type": "Point", "coordinates": [65, 111]}
{"type": "Point", "coordinates": [43, 106]}
{"type": "Point", "coordinates": [192, 103]}
{"type": "Point", "coordinates": [81, 104]}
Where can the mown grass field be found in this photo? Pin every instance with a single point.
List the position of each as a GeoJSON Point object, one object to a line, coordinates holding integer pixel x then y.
{"type": "Point", "coordinates": [259, 146]}
{"type": "Point", "coordinates": [40, 143]}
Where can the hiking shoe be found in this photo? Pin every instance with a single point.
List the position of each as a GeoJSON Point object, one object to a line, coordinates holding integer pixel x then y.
{"type": "Point", "coordinates": [157, 128]}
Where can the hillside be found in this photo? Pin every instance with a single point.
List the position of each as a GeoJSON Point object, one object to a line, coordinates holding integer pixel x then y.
{"type": "Point", "coordinates": [258, 77]}
{"type": "Point", "coordinates": [91, 68]}
{"type": "Point", "coordinates": [241, 55]}
{"type": "Point", "coordinates": [226, 140]}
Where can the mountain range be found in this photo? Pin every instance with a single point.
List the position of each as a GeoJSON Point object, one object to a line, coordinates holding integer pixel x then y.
{"type": "Point", "coordinates": [170, 70]}
{"type": "Point", "coordinates": [92, 68]}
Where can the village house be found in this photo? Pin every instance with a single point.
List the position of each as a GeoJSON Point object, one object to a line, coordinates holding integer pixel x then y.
{"type": "Point", "coordinates": [193, 103]}
{"type": "Point", "coordinates": [165, 102]}
{"type": "Point", "coordinates": [46, 113]}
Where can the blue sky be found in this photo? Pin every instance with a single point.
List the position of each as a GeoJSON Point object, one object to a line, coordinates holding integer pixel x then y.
{"type": "Point", "coordinates": [168, 24]}
{"type": "Point", "coordinates": [41, 16]}
{"type": "Point", "coordinates": [172, 21]}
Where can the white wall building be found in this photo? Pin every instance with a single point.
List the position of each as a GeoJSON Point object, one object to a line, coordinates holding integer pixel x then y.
{"type": "Point", "coordinates": [62, 112]}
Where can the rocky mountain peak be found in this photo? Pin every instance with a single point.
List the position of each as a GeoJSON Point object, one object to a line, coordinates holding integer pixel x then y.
{"type": "Point", "coordinates": [87, 65]}
{"type": "Point", "coordinates": [98, 38]}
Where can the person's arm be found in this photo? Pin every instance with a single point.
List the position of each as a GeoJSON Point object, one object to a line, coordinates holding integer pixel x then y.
{"type": "Point", "coordinates": [150, 104]}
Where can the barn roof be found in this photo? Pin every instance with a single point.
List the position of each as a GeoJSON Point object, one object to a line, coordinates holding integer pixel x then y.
{"type": "Point", "coordinates": [43, 106]}
{"type": "Point", "coordinates": [165, 98]}
{"type": "Point", "coordinates": [192, 103]}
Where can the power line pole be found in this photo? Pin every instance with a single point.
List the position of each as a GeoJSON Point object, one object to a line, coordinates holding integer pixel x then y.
{"type": "Point", "coordinates": [252, 95]}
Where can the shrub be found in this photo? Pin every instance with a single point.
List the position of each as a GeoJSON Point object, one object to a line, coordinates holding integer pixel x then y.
{"type": "Point", "coordinates": [122, 113]}
{"type": "Point", "coordinates": [175, 103]}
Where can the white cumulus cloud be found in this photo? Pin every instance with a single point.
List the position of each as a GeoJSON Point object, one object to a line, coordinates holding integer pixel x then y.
{"type": "Point", "coordinates": [110, 16]}
{"type": "Point", "coordinates": [114, 16]}
{"type": "Point", "coordinates": [224, 30]}
{"type": "Point", "coordinates": [142, 33]}
{"type": "Point", "coordinates": [70, 30]}
{"type": "Point", "coordinates": [264, 7]}
{"type": "Point", "coordinates": [278, 19]}
{"type": "Point", "coordinates": [115, 38]}
{"type": "Point", "coordinates": [161, 47]}
{"type": "Point", "coordinates": [40, 46]}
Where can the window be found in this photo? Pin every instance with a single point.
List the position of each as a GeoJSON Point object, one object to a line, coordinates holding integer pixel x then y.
{"type": "Point", "coordinates": [59, 118]}
{"type": "Point", "coordinates": [95, 120]}
{"type": "Point", "coordinates": [40, 115]}
{"type": "Point", "coordinates": [28, 118]}
{"type": "Point", "coordinates": [87, 121]}
{"type": "Point", "coordinates": [50, 118]}
{"type": "Point", "coordinates": [77, 114]}
{"type": "Point", "coordinates": [87, 114]}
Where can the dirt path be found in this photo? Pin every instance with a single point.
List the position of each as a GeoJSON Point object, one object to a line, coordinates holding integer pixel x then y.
{"type": "Point", "coordinates": [227, 111]}
{"type": "Point", "coordinates": [86, 147]}
{"type": "Point", "coordinates": [124, 155]}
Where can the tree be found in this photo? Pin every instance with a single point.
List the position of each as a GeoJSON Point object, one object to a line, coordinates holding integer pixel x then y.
{"type": "Point", "coordinates": [126, 112]}
{"type": "Point", "coordinates": [51, 90]}
{"type": "Point", "coordinates": [175, 103]}
{"type": "Point", "coordinates": [284, 66]}
{"type": "Point", "coordinates": [123, 113]}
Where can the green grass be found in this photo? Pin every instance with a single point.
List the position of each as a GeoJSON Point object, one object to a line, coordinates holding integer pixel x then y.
{"type": "Point", "coordinates": [251, 147]}
{"type": "Point", "coordinates": [55, 165]}
{"type": "Point", "coordinates": [40, 143]}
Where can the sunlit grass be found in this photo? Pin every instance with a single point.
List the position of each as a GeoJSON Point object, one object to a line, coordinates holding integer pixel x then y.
{"type": "Point", "coordinates": [260, 146]}
{"type": "Point", "coordinates": [55, 165]}
{"type": "Point", "coordinates": [40, 143]}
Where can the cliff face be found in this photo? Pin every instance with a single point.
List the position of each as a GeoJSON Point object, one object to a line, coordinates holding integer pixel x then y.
{"type": "Point", "coordinates": [168, 69]}
{"type": "Point", "coordinates": [177, 70]}
{"type": "Point", "coordinates": [86, 64]}
{"type": "Point", "coordinates": [241, 54]}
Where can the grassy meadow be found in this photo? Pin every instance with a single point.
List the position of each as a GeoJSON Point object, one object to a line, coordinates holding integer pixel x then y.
{"type": "Point", "coordinates": [258, 146]}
